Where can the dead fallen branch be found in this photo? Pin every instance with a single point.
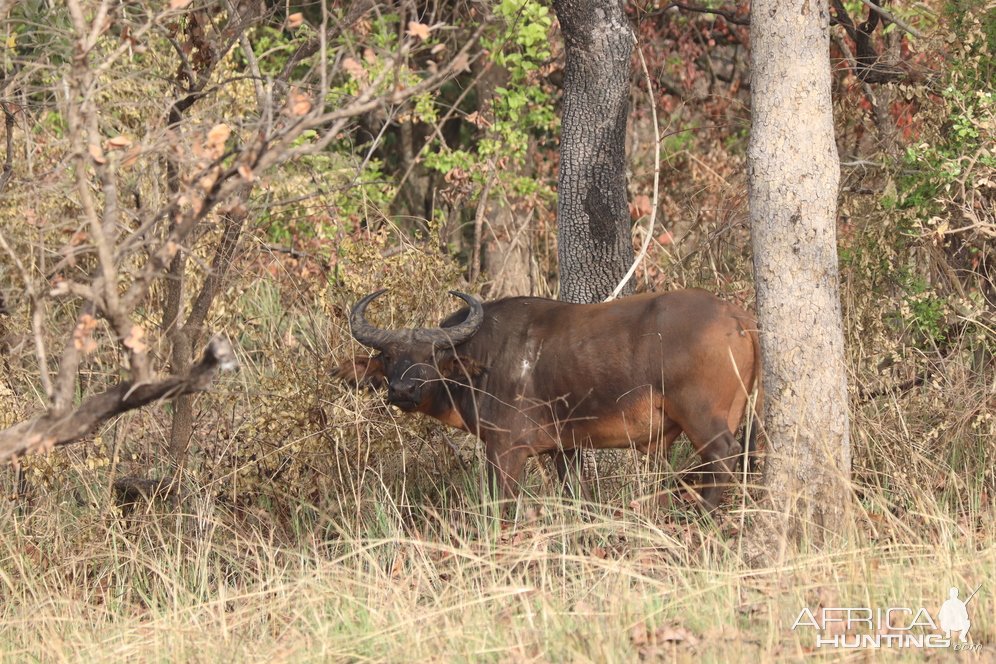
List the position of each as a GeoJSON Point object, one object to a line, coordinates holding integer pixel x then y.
{"type": "Point", "coordinates": [48, 431]}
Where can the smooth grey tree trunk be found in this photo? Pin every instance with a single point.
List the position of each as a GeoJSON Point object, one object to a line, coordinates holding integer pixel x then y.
{"type": "Point", "coordinates": [593, 225]}
{"type": "Point", "coordinates": [594, 245]}
{"type": "Point", "coordinates": [506, 260]}
{"type": "Point", "coordinates": [793, 173]}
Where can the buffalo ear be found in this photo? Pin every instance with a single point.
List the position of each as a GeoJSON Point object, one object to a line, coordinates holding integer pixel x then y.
{"type": "Point", "coordinates": [365, 371]}
{"type": "Point", "coordinates": [460, 366]}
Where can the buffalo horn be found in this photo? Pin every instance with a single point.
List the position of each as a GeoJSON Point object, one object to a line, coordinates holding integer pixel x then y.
{"type": "Point", "coordinates": [379, 338]}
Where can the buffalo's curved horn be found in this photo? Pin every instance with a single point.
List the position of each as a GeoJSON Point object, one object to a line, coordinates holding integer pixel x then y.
{"type": "Point", "coordinates": [367, 334]}
{"type": "Point", "coordinates": [379, 338]}
{"type": "Point", "coordinates": [457, 334]}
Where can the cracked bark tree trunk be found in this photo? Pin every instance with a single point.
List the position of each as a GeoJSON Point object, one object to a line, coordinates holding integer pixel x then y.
{"type": "Point", "coordinates": [594, 244]}
{"type": "Point", "coordinates": [794, 172]}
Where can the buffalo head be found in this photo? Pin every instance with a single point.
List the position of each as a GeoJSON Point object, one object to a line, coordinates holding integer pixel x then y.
{"type": "Point", "coordinates": [413, 363]}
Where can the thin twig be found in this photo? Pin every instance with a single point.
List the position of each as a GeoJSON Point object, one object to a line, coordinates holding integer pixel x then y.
{"type": "Point", "coordinates": [482, 203]}
{"type": "Point", "coordinates": [8, 163]}
{"type": "Point", "coordinates": [902, 25]}
{"type": "Point", "coordinates": [36, 316]}
{"type": "Point", "coordinates": [728, 16]}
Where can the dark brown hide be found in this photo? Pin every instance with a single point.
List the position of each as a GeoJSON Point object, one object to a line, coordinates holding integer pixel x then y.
{"type": "Point", "coordinates": [540, 376]}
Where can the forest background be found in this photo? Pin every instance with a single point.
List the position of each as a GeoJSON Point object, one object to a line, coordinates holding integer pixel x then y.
{"type": "Point", "coordinates": [253, 168]}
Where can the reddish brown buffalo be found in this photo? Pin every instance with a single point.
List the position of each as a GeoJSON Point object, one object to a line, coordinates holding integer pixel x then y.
{"type": "Point", "coordinates": [530, 376]}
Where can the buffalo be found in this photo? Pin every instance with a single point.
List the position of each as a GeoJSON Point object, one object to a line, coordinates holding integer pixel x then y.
{"type": "Point", "coordinates": [531, 376]}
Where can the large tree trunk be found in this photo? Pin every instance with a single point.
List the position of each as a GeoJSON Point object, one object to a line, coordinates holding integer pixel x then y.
{"type": "Point", "coordinates": [794, 173]}
{"type": "Point", "coordinates": [594, 245]}
{"type": "Point", "coordinates": [594, 242]}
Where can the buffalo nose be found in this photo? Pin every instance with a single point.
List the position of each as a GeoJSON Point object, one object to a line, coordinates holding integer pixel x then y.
{"type": "Point", "coordinates": [403, 392]}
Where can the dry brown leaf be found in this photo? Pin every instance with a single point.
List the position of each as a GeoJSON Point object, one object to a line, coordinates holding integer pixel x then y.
{"type": "Point", "coordinates": [179, 4]}
{"type": "Point", "coordinates": [97, 153]}
{"type": "Point", "coordinates": [670, 634]}
{"type": "Point", "coordinates": [478, 119]}
{"type": "Point", "coordinates": [208, 180]}
{"type": "Point", "coordinates": [300, 104]}
{"type": "Point", "coordinates": [118, 143]}
{"type": "Point", "coordinates": [640, 207]}
{"type": "Point", "coordinates": [246, 172]}
{"type": "Point", "coordinates": [131, 156]}
{"type": "Point", "coordinates": [418, 30]}
{"type": "Point", "coordinates": [216, 140]}
{"type": "Point", "coordinates": [355, 70]}
{"type": "Point", "coordinates": [134, 339]}
{"type": "Point", "coordinates": [438, 48]}
{"type": "Point", "coordinates": [219, 133]}
{"type": "Point", "coordinates": [461, 63]}
{"type": "Point", "coordinates": [295, 20]}
{"type": "Point", "coordinates": [82, 340]}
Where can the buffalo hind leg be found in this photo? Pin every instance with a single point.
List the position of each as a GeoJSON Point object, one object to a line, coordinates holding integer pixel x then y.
{"type": "Point", "coordinates": [570, 470]}
{"type": "Point", "coordinates": [718, 448]}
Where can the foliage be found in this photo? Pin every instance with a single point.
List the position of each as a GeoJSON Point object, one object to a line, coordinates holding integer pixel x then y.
{"type": "Point", "coordinates": [947, 186]}
{"type": "Point", "coordinates": [519, 111]}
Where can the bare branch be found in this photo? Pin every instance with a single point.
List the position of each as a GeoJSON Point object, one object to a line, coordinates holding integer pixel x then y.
{"type": "Point", "coordinates": [48, 431]}
{"type": "Point", "coordinates": [369, 100]}
{"type": "Point", "coordinates": [728, 16]}
{"type": "Point", "coordinates": [85, 130]}
{"type": "Point", "coordinates": [866, 62]}
{"type": "Point", "coordinates": [233, 220]}
{"type": "Point", "coordinates": [37, 315]}
{"type": "Point", "coordinates": [902, 25]}
{"type": "Point", "coordinates": [65, 380]}
{"type": "Point", "coordinates": [8, 164]}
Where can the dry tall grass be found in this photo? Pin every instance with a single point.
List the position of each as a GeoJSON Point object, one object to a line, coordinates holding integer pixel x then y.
{"type": "Point", "coordinates": [313, 524]}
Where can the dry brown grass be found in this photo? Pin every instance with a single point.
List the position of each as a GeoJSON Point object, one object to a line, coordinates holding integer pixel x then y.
{"type": "Point", "coordinates": [314, 524]}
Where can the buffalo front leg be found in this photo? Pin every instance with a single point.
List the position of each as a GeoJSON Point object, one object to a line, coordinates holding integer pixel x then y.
{"type": "Point", "coordinates": [505, 466]}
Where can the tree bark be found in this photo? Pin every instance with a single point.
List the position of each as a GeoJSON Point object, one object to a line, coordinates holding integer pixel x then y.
{"type": "Point", "coordinates": [593, 226]}
{"type": "Point", "coordinates": [594, 243]}
{"type": "Point", "coordinates": [794, 172]}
